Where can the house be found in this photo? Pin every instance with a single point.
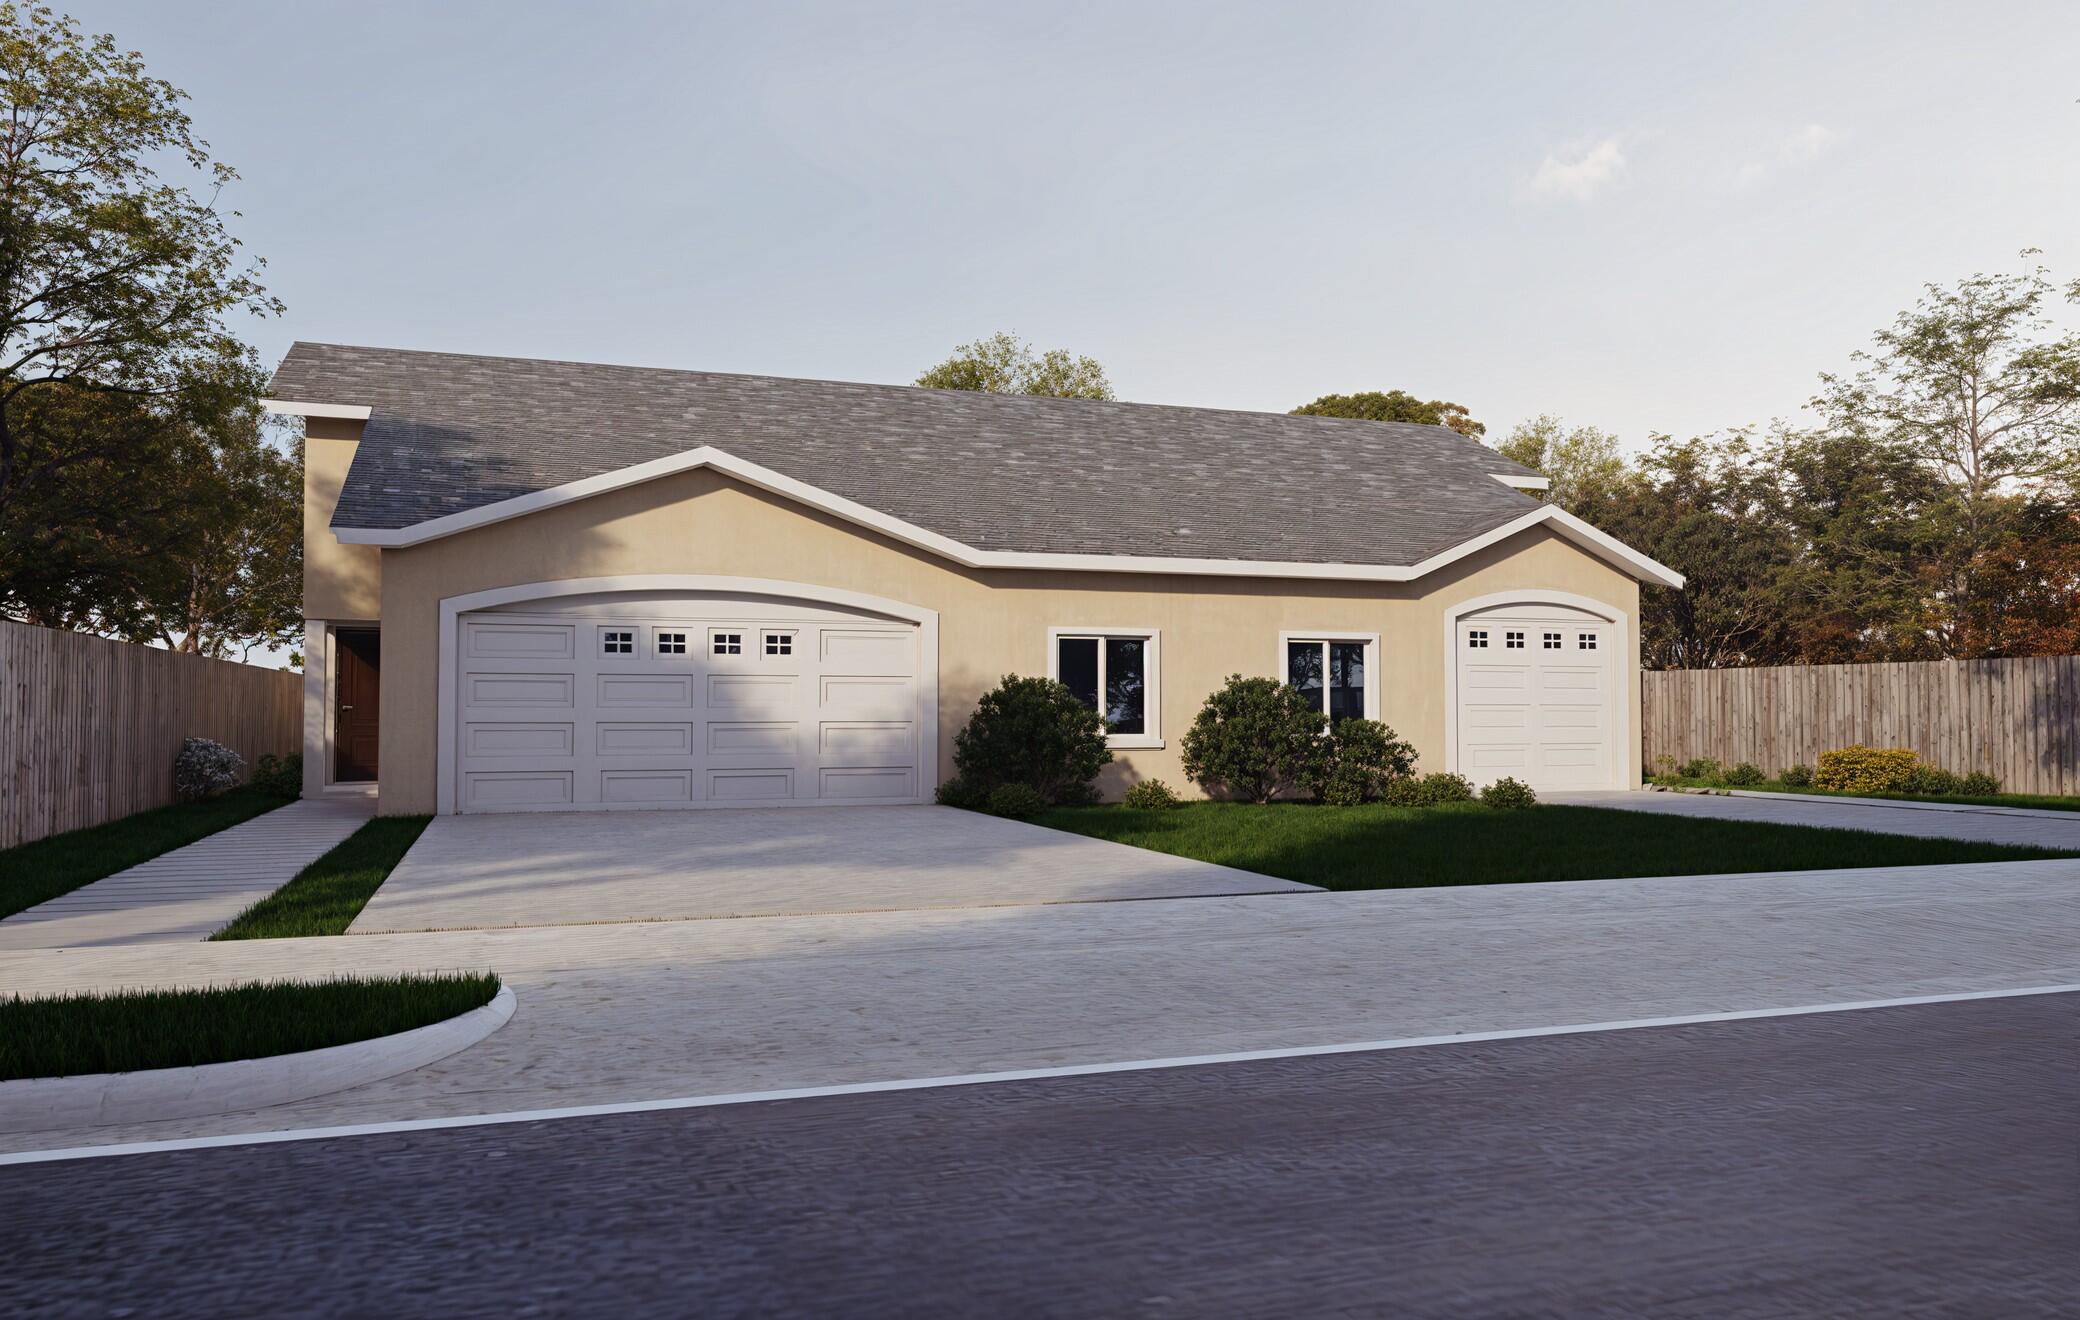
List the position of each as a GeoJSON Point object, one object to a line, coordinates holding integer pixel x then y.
{"type": "Point", "coordinates": [544, 585]}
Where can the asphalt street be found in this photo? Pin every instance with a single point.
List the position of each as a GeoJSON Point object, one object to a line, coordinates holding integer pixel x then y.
{"type": "Point", "coordinates": [1910, 1161]}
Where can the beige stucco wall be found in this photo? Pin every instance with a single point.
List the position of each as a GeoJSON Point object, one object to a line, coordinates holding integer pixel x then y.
{"type": "Point", "coordinates": [340, 582]}
{"type": "Point", "coordinates": [991, 622]}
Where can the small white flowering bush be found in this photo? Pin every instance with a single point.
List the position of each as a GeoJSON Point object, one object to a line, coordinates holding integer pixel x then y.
{"type": "Point", "coordinates": [205, 768]}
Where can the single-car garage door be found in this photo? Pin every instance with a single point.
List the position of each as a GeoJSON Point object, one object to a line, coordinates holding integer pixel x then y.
{"type": "Point", "coordinates": [661, 701]}
{"type": "Point", "coordinates": [1538, 693]}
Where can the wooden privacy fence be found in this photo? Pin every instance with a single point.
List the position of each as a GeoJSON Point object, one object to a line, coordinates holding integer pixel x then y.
{"type": "Point", "coordinates": [2017, 719]}
{"type": "Point", "coordinates": [89, 727]}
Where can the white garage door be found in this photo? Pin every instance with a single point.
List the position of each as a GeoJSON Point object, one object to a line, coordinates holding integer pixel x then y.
{"type": "Point", "coordinates": [660, 702]}
{"type": "Point", "coordinates": [1538, 691]}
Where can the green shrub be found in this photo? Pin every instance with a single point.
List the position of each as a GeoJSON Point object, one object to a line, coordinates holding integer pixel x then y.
{"type": "Point", "coordinates": [1798, 776]}
{"type": "Point", "coordinates": [1403, 792]}
{"type": "Point", "coordinates": [1978, 784]}
{"type": "Point", "coordinates": [1508, 795]}
{"type": "Point", "coordinates": [1440, 787]}
{"type": "Point", "coordinates": [1861, 769]}
{"type": "Point", "coordinates": [962, 793]}
{"type": "Point", "coordinates": [1358, 759]}
{"type": "Point", "coordinates": [280, 776]}
{"type": "Point", "coordinates": [1745, 775]}
{"type": "Point", "coordinates": [1932, 781]}
{"type": "Point", "coordinates": [1016, 801]}
{"type": "Point", "coordinates": [1034, 732]}
{"type": "Point", "coordinates": [1253, 739]}
{"type": "Point", "coordinates": [1150, 795]}
{"type": "Point", "coordinates": [1700, 767]}
{"type": "Point", "coordinates": [1664, 767]}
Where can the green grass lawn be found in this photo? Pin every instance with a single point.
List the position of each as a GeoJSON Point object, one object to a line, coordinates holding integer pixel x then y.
{"type": "Point", "coordinates": [2038, 801]}
{"type": "Point", "coordinates": [37, 872]}
{"type": "Point", "coordinates": [325, 897]}
{"type": "Point", "coordinates": [72, 1034]}
{"type": "Point", "coordinates": [1381, 847]}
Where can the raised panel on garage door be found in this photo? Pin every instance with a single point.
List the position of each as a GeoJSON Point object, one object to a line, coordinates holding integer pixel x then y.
{"type": "Point", "coordinates": [676, 703]}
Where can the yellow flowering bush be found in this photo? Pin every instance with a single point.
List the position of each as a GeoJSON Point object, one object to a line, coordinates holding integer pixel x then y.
{"type": "Point", "coordinates": [1863, 769]}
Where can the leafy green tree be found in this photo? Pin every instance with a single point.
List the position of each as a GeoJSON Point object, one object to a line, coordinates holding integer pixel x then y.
{"type": "Point", "coordinates": [1587, 468]}
{"type": "Point", "coordinates": [1006, 364]}
{"type": "Point", "coordinates": [1394, 406]}
{"type": "Point", "coordinates": [1978, 386]}
{"type": "Point", "coordinates": [117, 365]}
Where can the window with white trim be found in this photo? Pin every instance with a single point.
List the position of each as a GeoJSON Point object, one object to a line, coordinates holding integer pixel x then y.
{"type": "Point", "coordinates": [726, 643]}
{"type": "Point", "coordinates": [617, 641]}
{"type": "Point", "coordinates": [779, 643]}
{"type": "Point", "coordinates": [1552, 641]}
{"type": "Point", "coordinates": [1513, 641]}
{"type": "Point", "coordinates": [1113, 674]}
{"type": "Point", "coordinates": [671, 643]}
{"type": "Point", "coordinates": [1477, 639]}
{"type": "Point", "coordinates": [1330, 674]}
{"type": "Point", "coordinates": [1585, 641]}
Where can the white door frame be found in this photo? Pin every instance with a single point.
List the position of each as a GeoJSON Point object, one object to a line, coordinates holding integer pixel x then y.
{"type": "Point", "coordinates": [1621, 718]}
{"type": "Point", "coordinates": [454, 607]}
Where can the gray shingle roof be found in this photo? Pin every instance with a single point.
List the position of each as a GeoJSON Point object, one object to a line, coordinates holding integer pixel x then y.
{"type": "Point", "coordinates": [451, 432]}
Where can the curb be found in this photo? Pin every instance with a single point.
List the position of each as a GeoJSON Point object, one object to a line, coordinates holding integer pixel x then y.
{"type": "Point", "coordinates": [1843, 799]}
{"type": "Point", "coordinates": [36, 1104]}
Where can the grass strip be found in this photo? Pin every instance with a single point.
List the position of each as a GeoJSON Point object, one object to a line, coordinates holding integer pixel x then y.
{"type": "Point", "coordinates": [325, 897]}
{"type": "Point", "coordinates": [1382, 847]}
{"type": "Point", "coordinates": [68, 1035]}
{"type": "Point", "coordinates": [2034, 801]}
{"type": "Point", "coordinates": [33, 873]}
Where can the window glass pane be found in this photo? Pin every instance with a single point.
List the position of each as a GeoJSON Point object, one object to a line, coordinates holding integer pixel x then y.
{"type": "Point", "coordinates": [1304, 670]}
{"type": "Point", "coordinates": [1125, 688]}
{"type": "Point", "coordinates": [1346, 681]}
{"type": "Point", "coordinates": [1076, 662]}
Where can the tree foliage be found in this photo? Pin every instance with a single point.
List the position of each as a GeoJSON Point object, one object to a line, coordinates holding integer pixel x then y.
{"type": "Point", "coordinates": [1933, 511]}
{"type": "Point", "coordinates": [1006, 364]}
{"type": "Point", "coordinates": [136, 495]}
{"type": "Point", "coordinates": [1394, 406]}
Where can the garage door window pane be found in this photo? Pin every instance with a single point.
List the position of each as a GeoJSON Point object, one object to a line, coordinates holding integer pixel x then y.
{"type": "Point", "coordinates": [1346, 681]}
{"type": "Point", "coordinates": [1125, 690]}
{"type": "Point", "coordinates": [1076, 664]}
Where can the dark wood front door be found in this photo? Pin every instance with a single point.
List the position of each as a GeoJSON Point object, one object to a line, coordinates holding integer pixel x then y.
{"type": "Point", "coordinates": [359, 652]}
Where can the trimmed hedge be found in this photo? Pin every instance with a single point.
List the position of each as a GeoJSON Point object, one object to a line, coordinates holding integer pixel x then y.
{"type": "Point", "coordinates": [1861, 769]}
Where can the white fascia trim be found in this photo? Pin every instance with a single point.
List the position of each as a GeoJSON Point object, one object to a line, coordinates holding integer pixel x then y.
{"type": "Point", "coordinates": [1151, 698]}
{"type": "Point", "coordinates": [1520, 482]}
{"type": "Point", "coordinates": [352, 412]}
{"type": "Point", "coordinates": [801, 492]}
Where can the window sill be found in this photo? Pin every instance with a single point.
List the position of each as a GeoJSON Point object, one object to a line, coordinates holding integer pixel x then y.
{"type": "Point", "coordinates": [1138, 741]}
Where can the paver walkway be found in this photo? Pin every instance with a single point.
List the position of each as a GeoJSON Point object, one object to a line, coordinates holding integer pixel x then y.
{"type": "Point", "coordinates": [191, 892]}
{"type": "Point", "coordinates": [643, 1011]}
{"type": "Point", "coordinates": [2038, 829]}
{"type": "Point", "coordinates": [468, 872]}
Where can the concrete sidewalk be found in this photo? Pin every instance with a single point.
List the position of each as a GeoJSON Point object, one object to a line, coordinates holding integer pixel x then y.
{"type": "Point", "coordinates": [613, 1013]}
{"type": "Point", "coordinates": [190, 893]}
{"type": "Point", "coordinates": [2043, 829]}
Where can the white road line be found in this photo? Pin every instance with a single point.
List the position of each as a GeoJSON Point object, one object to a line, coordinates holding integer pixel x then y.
{"type": "Point", "coordinates": [978, 1079]}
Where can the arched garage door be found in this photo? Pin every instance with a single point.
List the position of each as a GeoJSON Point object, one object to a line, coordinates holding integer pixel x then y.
{"type": "Point", "coordinates": [660, 700]}
{"type": "Point", "coordinates": [1538, 693]}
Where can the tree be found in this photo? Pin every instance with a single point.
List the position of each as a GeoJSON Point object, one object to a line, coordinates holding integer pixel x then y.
{"type": "Point", "coordinates": [1394, 406]}
{"type": "Point", "coordinates": [1006, 364]}
{"type": "Point", "coordinates": [1585, 465]}
{"type": "Point", "coordinates": [117, 366]}
{"type": "Point", "coordinates": [1976, 385]}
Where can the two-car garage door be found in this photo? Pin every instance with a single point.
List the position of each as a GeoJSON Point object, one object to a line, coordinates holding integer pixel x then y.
{"type": "Point", "coordinates": [1539, 697]}
{"type": "Point", "coordinates": [662, 701]}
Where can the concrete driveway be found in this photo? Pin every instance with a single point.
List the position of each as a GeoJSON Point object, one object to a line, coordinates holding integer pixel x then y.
{"type": "Point", "coordinates": [1924, 820]}
{"type": "Point", "coordinates": [473, 872]}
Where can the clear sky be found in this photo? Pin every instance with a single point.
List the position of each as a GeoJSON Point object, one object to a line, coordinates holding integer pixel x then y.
{"type": "Point", "coordinates": [1664, 216]}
